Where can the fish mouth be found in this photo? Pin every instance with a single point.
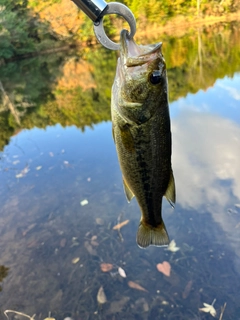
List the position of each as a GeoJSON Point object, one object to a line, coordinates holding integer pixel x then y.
{"type": "Point", "coordinates": [134, 55]}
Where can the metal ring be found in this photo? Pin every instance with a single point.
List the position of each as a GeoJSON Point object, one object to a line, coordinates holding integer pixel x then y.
{"type": "Point", "coordinates": [122, 10]}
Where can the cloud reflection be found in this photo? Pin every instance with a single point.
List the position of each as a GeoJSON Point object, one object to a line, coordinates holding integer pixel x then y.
{"type": "Point", "coordinates": [206, 157]}
{"type": "Point", "coordinates": [206, 153]}
{"type": "Point", "coordinates": [233, 92]}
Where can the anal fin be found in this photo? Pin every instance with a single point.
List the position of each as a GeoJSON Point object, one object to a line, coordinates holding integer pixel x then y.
{"type": "Point", "coordinates": [128, 192]}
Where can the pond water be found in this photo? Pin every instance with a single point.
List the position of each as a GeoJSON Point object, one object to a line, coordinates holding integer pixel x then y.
{"type": "Point", "coordinates": [58, 152]}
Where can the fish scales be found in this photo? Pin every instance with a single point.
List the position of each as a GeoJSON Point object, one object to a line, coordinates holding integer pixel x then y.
{"type": "Point", "coordinates": [141, 130]}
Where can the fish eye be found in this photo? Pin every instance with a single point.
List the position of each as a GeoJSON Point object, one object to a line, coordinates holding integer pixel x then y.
{"type": "Point", "coordinates": [156, 77]}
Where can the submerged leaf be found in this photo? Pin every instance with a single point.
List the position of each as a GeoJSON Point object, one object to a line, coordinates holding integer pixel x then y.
{"type": "Point", "coordinates": [187, 289]}
{"type": "Point", "coordinates": [101, 297]}
{"type": "Point", "coordinates": [120, 225]}
{"type": "Point", "coordinates": [165, 268]}
{"type": "Point", "coordinates": [122, 272]}
{"type": "Point", "coordinates": [117, 306]}
{"type": "Point", "coordinates": [106, 267]}
{"type": "Point", "coordinates": [172, 246]}
{"type": "Point", "coordinates": [84, 202]}
{"type": "Point", "coordinates": [99, 221]}
{"type": "Point", "coordinates": [209, 308]}
{"type": "Point", "coordinates": [75, 260]}
{"type": "Point", "coordinates": [90, 249]}
{"type": "Point", "coordinates": [136, 286]}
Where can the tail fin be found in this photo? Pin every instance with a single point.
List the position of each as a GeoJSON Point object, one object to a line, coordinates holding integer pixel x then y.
{"type": "Point", "coordinates": [148, 235]}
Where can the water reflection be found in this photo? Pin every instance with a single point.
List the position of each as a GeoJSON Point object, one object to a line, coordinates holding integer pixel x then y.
{"type": "Point", "coordinates": [75, 87]}
{"type": "Point", "coordinates": [43, 226]}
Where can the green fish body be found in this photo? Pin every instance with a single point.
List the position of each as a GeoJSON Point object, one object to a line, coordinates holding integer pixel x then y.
{"type": "Point", "coordinates": [142, 134]}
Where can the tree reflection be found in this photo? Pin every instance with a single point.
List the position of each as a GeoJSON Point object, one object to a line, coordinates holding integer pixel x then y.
{"type": "Point", "coordinates": [74, 88]}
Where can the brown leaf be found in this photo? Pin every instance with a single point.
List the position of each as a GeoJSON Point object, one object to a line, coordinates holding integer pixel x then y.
{"type": "Point", "coordinates": [99, 221]}
{"type": "Point", "coordinates": [187, 289]}
{"type": "Point", "coordinates": [106, 267]}
{"type": "Point", "coordinates": [165, 268]}
{"type": "Point", "coordinates": [136, 286]}
{"type": "Point", "coordinates": [30, 227]}
{"type": "Point", "coordinates": [63, 242]}
{"type": "Point", "coordinates": [94, 242]}
{"type": "Point", "coordinates": [90, 249]}
{"type": "Point", "coordinates": [120, 225]}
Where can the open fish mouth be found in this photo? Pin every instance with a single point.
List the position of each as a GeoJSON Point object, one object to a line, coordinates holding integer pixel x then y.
{"type": "Point", "coordinates": [134, 55]}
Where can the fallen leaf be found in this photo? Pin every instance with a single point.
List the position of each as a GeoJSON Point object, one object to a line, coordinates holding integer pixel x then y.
{"type": "Point", "coordinates": [122, 272]}
{"type": "Point", "coordinates": [209, 308]}
{"type": "Point", "coordinates": [99, 221]}
{"type": "Point", "coordinates": [106, 267]}
{"type": "Point", "coordinates": [136, 286]}
{"type": "Point", "coordinates": [30, 227]}
{"type": "Point", "coordinates": [75, 260]}
{"type": "Point", "coordinates": [94, 243]}
{"type": "Point", "coordinates": [101, 297]}
{"type": "Point", "coordinates": [84, 202]}
{"type": "Point", "coordinates": [165, 268]}
{"type": "Point", "coordinates": [49, 318]}
{"type": "Point", "coordinates": [90, 249]}
{"type": "Point", "coordinates": [63, 242]}
{"type": "Point", "coordinates": [172, 246]}
{"type": "Point", "coordinates": [120, 225]}
{"type": "Point", "coordinates": [187, 289]}
{"type": "Point", "coordinates": [16, 162]}
{"type": "Point", "coordinates": [117, 306]}
{"type": "Point", "coordinates": [51, 154]}
{"type": "Point", "coordinates": [39, 168]}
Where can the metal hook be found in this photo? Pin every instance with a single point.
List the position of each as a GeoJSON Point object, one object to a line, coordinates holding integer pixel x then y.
{"type": "Point", "coordinates": [114, 8]}
{"type": "Point", "coordinates": [97, 9]}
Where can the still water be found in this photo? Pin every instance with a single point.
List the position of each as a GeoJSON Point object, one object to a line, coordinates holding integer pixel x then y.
{"type": "Point", "coordinates": [61, 189]}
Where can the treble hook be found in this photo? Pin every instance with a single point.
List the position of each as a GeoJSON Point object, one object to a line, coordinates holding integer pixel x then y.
{"type": "Point", "coordinates": [97, 9]}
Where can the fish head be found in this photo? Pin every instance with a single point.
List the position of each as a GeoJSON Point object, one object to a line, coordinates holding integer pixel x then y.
{"type": "Point", "coordinates": [141, 78]}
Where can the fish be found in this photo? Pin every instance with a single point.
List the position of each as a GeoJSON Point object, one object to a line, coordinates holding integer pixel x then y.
{"type": "Point", "coordinates": [142, 134]}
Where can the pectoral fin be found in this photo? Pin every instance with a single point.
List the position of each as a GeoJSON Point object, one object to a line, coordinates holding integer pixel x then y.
{"type": "Point", "coordinates": [170, 193]}
{"type": "Point", "coordinates": [128, 192]}
{"type": "Point", "coordinates": [126, 138]}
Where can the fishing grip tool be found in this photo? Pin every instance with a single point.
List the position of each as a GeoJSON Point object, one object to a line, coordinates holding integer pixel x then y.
{"type": "Point", "coordinates": [97, 9]}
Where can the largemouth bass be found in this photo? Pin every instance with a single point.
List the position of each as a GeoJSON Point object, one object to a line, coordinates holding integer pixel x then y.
{"type": "Point", "coordinates": [141, 131]}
